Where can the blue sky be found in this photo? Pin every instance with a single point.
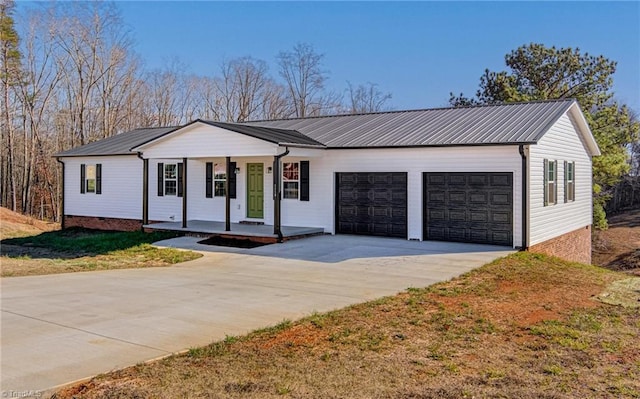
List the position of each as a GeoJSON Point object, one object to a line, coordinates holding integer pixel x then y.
{"type": "Point", "coordinates": [418, 51]}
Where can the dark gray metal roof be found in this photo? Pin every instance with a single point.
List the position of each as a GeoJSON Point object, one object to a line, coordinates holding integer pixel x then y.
{"type": "Point", "coordinates": [516, 123]}
{"type": "Point", "coordinates": [270, 134]}
{"type": "Point", "coordinates": [120, 144]}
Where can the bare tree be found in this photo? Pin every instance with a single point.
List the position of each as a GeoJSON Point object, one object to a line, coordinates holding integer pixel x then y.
{"type": "Point", "coordinates": [37, 89]}
{"type": "Point", "coordinates": [9, 78]}
{"type": "Point", "coordinates": [171, 94]}
{"type": "Point", "coordinates": [304, 78]}
{"type": "Point", "coordinates": [366, 98]}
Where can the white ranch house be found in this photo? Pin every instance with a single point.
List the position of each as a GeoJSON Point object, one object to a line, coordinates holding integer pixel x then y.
{"type": "Point", "coordinates": [515, 175]}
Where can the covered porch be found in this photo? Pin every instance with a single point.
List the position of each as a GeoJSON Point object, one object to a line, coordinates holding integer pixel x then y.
{"type": "Point", "coordinates": [256, 232]}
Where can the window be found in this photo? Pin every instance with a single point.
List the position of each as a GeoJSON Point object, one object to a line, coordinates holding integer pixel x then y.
{"type": "Point", "coordinates": [550, 182]}
{"type": "Point", "coordinates": [90, 181]}
{"type": "Point", "coordinates": [290, 179]}
{"type": "Point", "coordinates": [219, 179]}
{"type": "Point", "coordinates": [91, 178]}
{"type": "Point", "coordinates": [171, 179]}
{"type": "Point", "coordinates": [569, 181]}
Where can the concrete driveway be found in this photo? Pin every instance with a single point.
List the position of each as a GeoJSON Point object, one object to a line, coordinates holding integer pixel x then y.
{"type": "Point", "coordinates": [61, 328]}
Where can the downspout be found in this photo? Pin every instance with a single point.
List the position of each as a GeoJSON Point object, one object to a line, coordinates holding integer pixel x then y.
{"type": "Point", "coordinates": [277, 197]}
{"type": "Point", "coordinates": [62, 199]}
{"type": "Point", "coordinates": [145, 189]}
{"type": "Point", "coordinates": [227, 196]}
{"type": "Point", "coordinates": [525, 196]}
{"type": "Point", "coordinates": [184, 193]}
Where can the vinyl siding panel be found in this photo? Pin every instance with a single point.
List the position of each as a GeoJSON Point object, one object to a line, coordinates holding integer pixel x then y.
{"type": "Point", "coordinates": [121, 188]}
{"type": "Point", "coordinates": [203, 141]}
{"type": "Point", "coordinates": [319, 210]}
{"type": "Point", "coordinates": [202, 208]}
{"type": "Point", "coordinates": [562, 143]}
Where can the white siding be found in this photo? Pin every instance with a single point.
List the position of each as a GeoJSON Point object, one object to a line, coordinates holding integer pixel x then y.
{"type": "Point", "coordinates": [320, 209]}
{"type": "Point", "coordinates": [202, 141]}
{"type": "Point", "coordinates": [121, 188]}
{"type": "Point", "coordinates": [169, 207]}
{"type": "Point", "coordinates": [562, 143]}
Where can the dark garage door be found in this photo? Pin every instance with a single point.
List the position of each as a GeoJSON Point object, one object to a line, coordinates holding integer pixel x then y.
{"type": "Point", "coordinates": [372, 204]}
{"type": "Point", "coordinates": [468, 207]}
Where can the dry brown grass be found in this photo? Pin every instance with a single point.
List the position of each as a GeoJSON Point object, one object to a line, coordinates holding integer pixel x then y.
{"type": "Point", "coordinates": [13, 224]}
{"type": "Point", "coordinates": [618, 248]}
{"type": "Point", "coordinates": [522, 327]}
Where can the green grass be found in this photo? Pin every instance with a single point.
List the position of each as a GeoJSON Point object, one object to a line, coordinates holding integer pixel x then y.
{"type": "Point", "coordinates": [74, 250]}
{"type": "Point", "coordinates": [84, 241]}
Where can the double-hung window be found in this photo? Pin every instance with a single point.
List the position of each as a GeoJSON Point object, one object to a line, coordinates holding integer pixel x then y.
{"type": "Point", "coordinates": [219, 179]}
{"type": "Point", "coordinates": [170, 179]}
{"type": "Point", "coordinates": [569, 181]}
{"type": "Point", "coordinates": [90, 181]}
{"type": "Point", "coordinates": [290, 180]}
{"type": "Point", "coordinates": [550, 182]}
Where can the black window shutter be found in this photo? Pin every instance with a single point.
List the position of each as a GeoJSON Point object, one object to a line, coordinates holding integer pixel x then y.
{"type": "Point", "coordinates": [82, 178]}
{"type": "Point", "coordinates": [546, 181]}
{"type": "Point", "coordinates": [180, 174]}
{"type": "Point", "coordinates": [209, 180]}
{"type": "Point", "coordinates": [555, 182]}
{"type": "Point", "coordinates": [99, 178]}
{"type": "Point", "coordinates": [304, 180]}
{"type": "Point", "coordinates": [566, 181]}
{"type": "Point", "coordinates": [160, 179]}
{"type": "Point", "coordinates": [573, 184]}
{"type": "Point", "coordinates": [232, 179]}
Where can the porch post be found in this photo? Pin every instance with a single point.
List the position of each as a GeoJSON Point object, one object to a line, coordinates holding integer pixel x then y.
{"type": "Point", "coordinates": [277, 195]}
{"type": "Point", "coordinates": [227, 197]}
{"type": "Point", "coordinates": [184, 193]}
{"type": "Point", "coordinates": [145, 191]}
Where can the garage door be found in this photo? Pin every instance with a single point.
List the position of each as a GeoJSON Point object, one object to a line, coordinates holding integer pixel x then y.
{"type": "Point", "coordinates": [372, 204]}
{"type": "Point", "coordinates": [468, 207]}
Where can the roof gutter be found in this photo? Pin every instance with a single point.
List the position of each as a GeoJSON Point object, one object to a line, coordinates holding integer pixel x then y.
{"type": "Point", "coordinates": [525, 195]}
{"type": "Point", "coordinates": [277, 197]}
{"type": "Point", "coordinates": [318, 146]}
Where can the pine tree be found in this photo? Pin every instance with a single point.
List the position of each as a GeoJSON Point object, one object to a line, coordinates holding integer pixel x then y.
{"type": "Point", "coordinates": [537, 72]}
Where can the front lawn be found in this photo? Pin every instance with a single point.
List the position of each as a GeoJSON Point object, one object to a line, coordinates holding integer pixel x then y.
{"type": "Point", "coordinates": [74, 250]}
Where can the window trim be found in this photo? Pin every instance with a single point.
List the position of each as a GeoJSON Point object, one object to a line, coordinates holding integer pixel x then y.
{"type": "Point", "coordinates": [166, 179]}
{"type": "Point", "coordinates": [86, 178]}
{"type": "Point", "coordinates": [569, 182]}
{"type": "Point", "coordinates": [550, 198]}
{"type": "Point", "coordinates": [286, 181]}
{"type": "Point", "coordinates": [219, 180]}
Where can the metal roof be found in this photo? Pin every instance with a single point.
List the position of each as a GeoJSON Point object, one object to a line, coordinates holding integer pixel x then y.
{"type": "Point", "coordinates": [120, 144]}
{"type": "Point", "coordinates": [515, 123]}
{"type": "Point", "coordinates": [270, 134]}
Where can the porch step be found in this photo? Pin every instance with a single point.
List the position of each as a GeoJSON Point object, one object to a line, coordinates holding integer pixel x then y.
{"type": "Point", "coordinates": [252, 222]}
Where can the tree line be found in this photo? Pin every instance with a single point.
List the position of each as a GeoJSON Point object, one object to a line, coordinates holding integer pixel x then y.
{"type": "Point", "coordinates": [69, 76]}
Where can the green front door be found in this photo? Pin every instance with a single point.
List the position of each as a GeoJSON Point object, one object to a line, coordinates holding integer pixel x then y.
{"type": "Point", "coordinates": [255, 190]}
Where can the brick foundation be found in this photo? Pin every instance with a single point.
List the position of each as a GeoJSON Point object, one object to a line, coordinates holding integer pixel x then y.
{"type": "Point", "coordinates": [100, 223]}
{"type": "Point", "coordinates": [574, 246]}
